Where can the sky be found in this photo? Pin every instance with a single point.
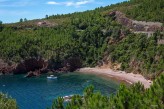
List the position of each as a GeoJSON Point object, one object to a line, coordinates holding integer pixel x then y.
{"type": "Point", "coordinates": [12, 10]}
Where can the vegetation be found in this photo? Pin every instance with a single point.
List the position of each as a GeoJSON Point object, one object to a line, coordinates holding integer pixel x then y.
{"type": "Point", "coordinates": [133, 97]}
{"type": "Point", "coordinates": [1, 22]}
{"type": "Point", "coordinates": [7, 102]}
{"type": "Point", "coordinates": [139, 54]}
{"type": "Point", "coordinates": [87, 35]}
{"type": "Point", "coordinates": [76, 38]}
{"type": "Point", "coordinates": [142, 10]}
{"type": "Point", "coordinates": [147, 10]}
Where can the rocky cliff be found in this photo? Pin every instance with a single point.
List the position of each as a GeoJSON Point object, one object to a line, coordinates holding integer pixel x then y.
{"type": "Point", "coordinates": [6, 67]}
{"type": "Point", "coordinates": [35, 67]}
{"type": "Point", "coordinates": [136, 25]}
{"type": "Point", "coordinates": [32, 65]}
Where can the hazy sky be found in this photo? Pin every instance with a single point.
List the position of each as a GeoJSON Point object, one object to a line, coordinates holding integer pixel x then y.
{"type": "Point", "coordinates": [13, 10]}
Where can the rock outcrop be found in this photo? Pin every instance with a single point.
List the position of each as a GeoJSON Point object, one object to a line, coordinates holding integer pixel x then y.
{"type": "Point", "coordinates": [33, 73]}
{"type": "Point", "coordinates": [46, 23]}
{"type": "Point", "coordinates": [6, 68]}
{"type": "Point", "coordinates": [32, 67]}
{"type": "Point", "coordinates": [161, 41]}
{"type": "Point", "coordinates": [136, 25]}
{"type": "Point", "coordinates": [35, 67]}
{"type": "Point", "coordinates": [72, 64]}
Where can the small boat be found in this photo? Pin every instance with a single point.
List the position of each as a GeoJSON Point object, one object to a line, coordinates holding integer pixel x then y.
{"type": "Point", "coordinates": [67, 98]}
{"type": "Point", "coordinates": [51, 77]}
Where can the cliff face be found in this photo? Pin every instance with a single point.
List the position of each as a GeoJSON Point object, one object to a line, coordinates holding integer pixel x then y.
{"type": "Point", "coordinates": [6, 68]}
{"type": "Point", "coordinates": [31, 65]}
{"type": "Point", "coordinates": [36, 66]}
{"type": "Point", "coordinates": [72, 64]}
{"type": "Point", "coordinates": [136, 25]}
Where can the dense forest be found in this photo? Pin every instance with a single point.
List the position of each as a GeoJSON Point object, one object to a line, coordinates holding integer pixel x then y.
{"type": "Point", "coordinates": [87, 35]}
{"type": "Point", "coordinates": [147, 10]}
{"type": "Point", "coordinates": [137, 53]}
{"type": "Point", "coordinates": [76, 38]}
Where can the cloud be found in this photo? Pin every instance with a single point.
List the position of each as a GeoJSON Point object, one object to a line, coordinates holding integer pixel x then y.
{"type": "Point", "coordinates": [71, 3]}
{"type": "Point", "coordinates": [83, 2]}
{"type": "Point", "coordinates": [52, 3]}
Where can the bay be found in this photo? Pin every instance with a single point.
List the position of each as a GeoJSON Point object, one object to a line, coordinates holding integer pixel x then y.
{"type": "Point", "coordinates": [39, 93]}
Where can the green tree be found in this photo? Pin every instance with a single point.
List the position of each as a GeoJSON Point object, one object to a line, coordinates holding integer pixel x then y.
{"type": "Point", "coordinates": [133, 97]}
{"type": "Point", "coordinates": [46, 16]}
{"type": "Point", "coordinates": [1, 22]}
{"type": "Point", "coordinates": [58, 103]}
{"type": "Point", "coordinates": [21, 20]}
{"type": "Point", "coordinates": [1, 26]}
{"type": "Point", "coordinates": [25, 20]}
{"type": "Point", "coordinates": [7, 102]}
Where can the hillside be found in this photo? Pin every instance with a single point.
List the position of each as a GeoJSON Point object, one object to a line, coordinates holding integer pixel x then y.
{"type": "Point", "coordinates": [141, 10]}
{"type": "Point", "coordinates": [59, 42]}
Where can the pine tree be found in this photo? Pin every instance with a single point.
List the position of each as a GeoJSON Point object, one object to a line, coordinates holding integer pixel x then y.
{"type": "Point", "coordinates": [21, 20]}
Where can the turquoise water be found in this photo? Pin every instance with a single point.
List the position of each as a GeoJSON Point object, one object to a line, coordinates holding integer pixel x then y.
{"type": "Point", "coordinates": [38, 92]}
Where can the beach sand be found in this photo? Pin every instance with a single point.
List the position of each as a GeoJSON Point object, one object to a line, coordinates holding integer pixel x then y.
{"type": "Point", "coordinates": [119, 75]}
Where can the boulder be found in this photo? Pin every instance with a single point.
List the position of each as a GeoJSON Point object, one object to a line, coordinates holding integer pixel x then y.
{"type": "Point", "coordinates": [32, 74]}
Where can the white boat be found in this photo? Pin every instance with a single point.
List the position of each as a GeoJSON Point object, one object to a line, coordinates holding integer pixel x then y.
{"type": "Point", "coordinates": [67, 98]}
{"type": "Point", "coordinates": [51, 77]}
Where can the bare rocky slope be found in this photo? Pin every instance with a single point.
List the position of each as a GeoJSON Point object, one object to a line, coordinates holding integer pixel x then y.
{"type": "Point", "coordinates": [136, 26]}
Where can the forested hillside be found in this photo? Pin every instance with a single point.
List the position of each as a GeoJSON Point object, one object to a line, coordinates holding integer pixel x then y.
{"type": "Point", "coordinates": [76, 38]}
{"type": "Point", "coordinates": [147, 10]}
{"type": "Point", "coordinates": [88, 35]}
{"type": "Point", "coordinates": [139, 54]}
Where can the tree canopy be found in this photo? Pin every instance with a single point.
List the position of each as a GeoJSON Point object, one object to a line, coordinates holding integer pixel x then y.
{"type": "Point", "coordinates": [87, 35]}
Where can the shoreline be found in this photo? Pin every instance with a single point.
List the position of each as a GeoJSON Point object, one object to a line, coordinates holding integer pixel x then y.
{"type": "Point", "coordinates": [129, 78]}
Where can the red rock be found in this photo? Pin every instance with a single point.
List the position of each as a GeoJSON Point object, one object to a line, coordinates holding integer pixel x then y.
{"type": "Point", "coordinates": [136, 25]}
{"type": "Point", "coordinates": [37, 66]}
{"type": "Point", "coordinates": [31, 64]}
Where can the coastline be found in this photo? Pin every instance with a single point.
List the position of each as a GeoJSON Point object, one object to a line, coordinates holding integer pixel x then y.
{"type": "Point", "coordinates": [129, 78]}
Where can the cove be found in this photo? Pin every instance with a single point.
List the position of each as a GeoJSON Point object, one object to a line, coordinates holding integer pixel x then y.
{"type": "Point", "coordinates": [38, 92]}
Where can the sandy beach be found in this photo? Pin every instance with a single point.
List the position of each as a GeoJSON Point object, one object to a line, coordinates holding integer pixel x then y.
{"type": "Point", "coordinates": [119, 75]}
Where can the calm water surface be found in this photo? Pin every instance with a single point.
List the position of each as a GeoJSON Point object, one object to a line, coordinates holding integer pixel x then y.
{"type": "Point", "coordinates": [38, 92]}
